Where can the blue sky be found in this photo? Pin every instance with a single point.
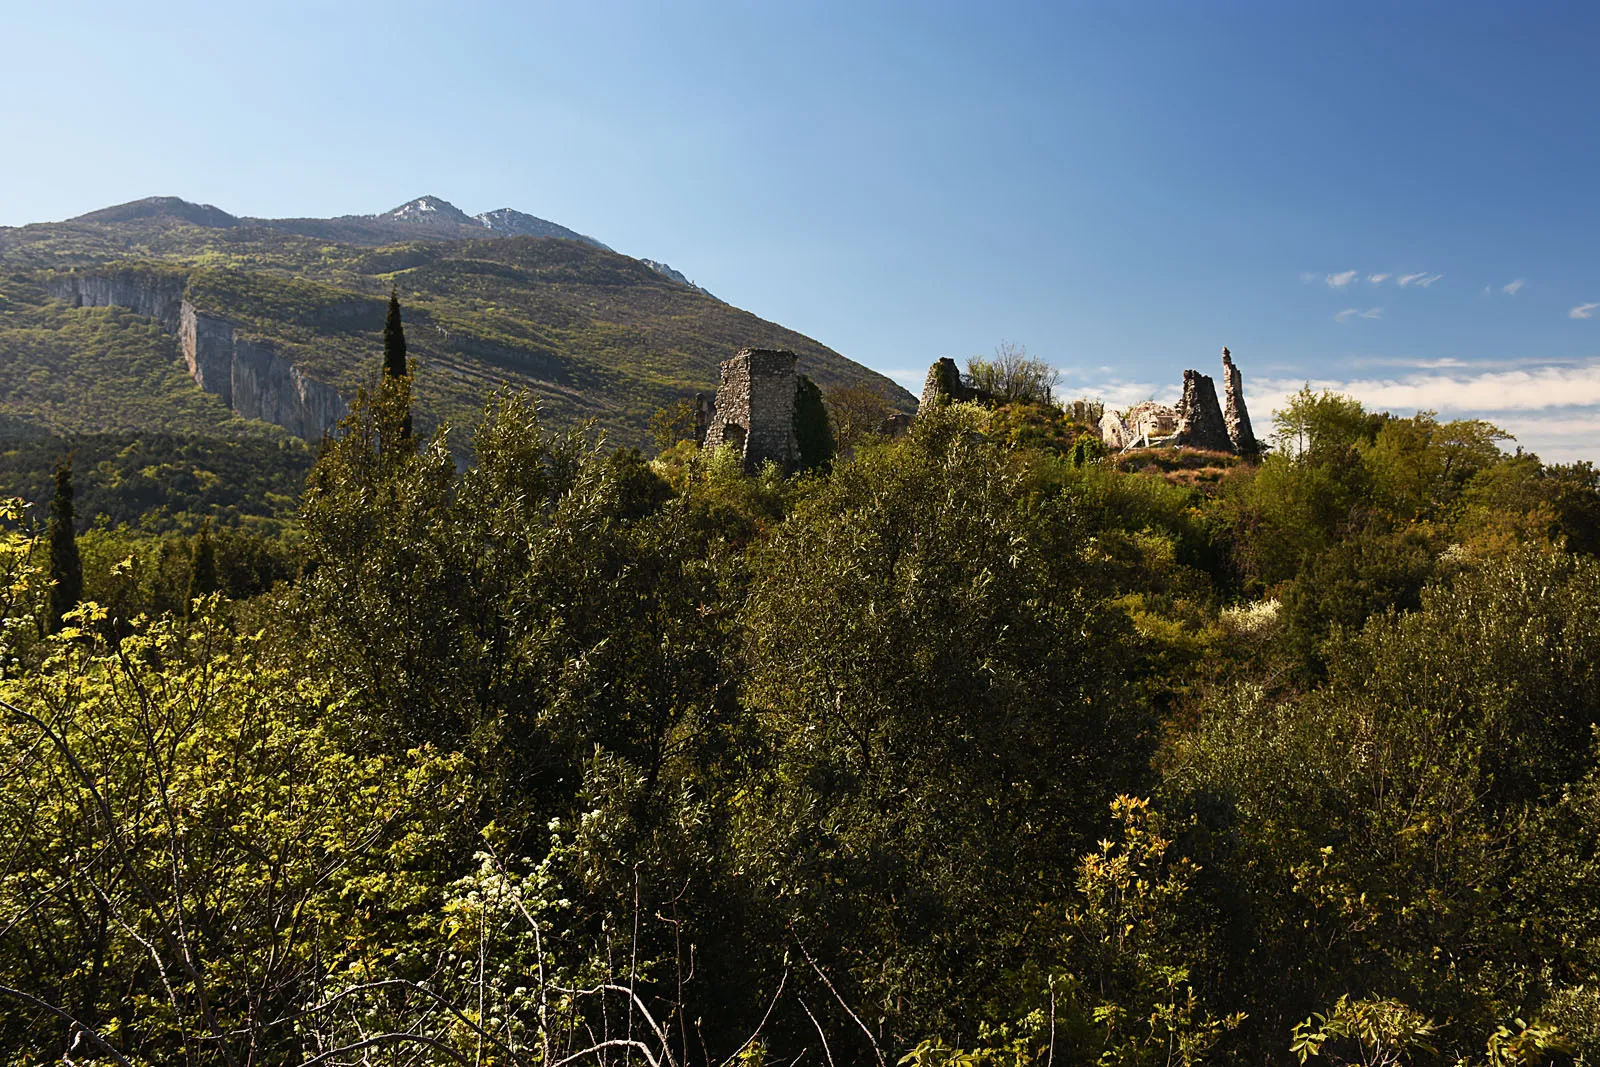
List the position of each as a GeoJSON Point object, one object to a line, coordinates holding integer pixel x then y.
{"type": "Point", "coordinates": [1123, 188]}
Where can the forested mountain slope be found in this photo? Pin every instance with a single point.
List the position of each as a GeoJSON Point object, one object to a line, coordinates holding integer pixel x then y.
{"type": "Point", "coordinates": [596, 335]}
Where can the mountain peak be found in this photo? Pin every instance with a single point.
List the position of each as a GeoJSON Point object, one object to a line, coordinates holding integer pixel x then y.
{"type": "Point", "coordinates": [512, 223]}
{"type": "Point", "coordinates": [155, 207]}
{"type": "Point", "coordinates": [429, 211]}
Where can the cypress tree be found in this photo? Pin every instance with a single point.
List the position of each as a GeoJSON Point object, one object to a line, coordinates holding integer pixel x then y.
{"type": "Point", "coordinates": [66, 569]}
{"type": "Point", "coordinates": [394, 340]}
{"type": "Point", "coordinates": [394, 355]}
{"type": "Point", "coordinates": [202, 568]}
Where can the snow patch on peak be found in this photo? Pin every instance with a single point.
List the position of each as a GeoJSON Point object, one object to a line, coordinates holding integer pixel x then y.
{"type": "Point", "coordinates": [426, 209]}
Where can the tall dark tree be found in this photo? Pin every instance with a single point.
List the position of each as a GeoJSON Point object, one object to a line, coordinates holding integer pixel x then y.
{"type": "Point", "coordinates": [202, 566]}
{"type": "Point", "coordinates": [394, 353]}
{"type": "Point", "coordinates": [66, 569]}
{"type": "Point", "coordinates": [811, 429]}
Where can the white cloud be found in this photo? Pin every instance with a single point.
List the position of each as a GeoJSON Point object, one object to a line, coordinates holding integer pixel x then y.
{"type": "Point", "coordinates": [1535, 389]}
{"type": "Point", "coordinates": [1551, 410]}
{"type": "Point", "coordinates": [1115, 393]}
{"type": "Point", "coordinates": [1377, 279]}
{"type": "Point", "coordinates": [1422, 278]}
{"type": "Point", "coordinates": [1356, 313]}
{"type": "Point", "coordinates": [1342, 279]}
{"type": "Point", "coordinates": [1558, 437]}
{"type": "Point", "coordinates": [1583, 311]}
{"type": "Point", "coordinates": [1512, 288]}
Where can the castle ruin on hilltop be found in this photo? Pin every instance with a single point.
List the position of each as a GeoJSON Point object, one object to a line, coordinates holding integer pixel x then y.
{"type": "Point", "coordinates": [1198, 421]}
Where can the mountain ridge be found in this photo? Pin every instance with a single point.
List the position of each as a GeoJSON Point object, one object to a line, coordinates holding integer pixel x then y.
{"type": "Point", "coordinates": [426, 214]}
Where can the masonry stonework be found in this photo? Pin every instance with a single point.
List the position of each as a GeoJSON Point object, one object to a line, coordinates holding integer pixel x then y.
{"type": "Point", "coordinates": [1234, 414]}
{"type": "Point", "coordinates": [944, 385]}
{"type": "Point", "coordinates": [1200, 422]}
{"type": "Point", "coordinates": [755, 409]}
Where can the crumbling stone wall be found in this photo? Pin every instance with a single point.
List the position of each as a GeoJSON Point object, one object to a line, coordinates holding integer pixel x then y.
{"type": "Point", "coordinates": [1197, 422]}
{"type": "Point", "coordinates": [1114, 431]}
{"type": "Point", "coordinates": [1147, 422]}
{"type": "Point", "coordinates": [941, 385]}
{"type": "Point", "coordinates": [1234, 416]}
{"type": "Point", "coordinates": [944, 385]}
{"type": "Point", "coordinates": [755, 408]}
{"type": "Point", "coordinates": [1200, 422]}
{"type": "Point", "coordinates": [704, 411]}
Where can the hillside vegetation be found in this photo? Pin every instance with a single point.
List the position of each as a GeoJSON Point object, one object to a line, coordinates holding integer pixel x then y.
{"type": "Point", "coordinates": [596, 335]}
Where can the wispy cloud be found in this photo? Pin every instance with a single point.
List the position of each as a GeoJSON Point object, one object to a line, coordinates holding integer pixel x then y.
{"type": "Point", "coordinates": [1512, 288]}
{"type": "Point", "coordinates": [1377, 279]}
{"type": "Point", "coordinates": [1356, 313]}
{"type": "Point", "coordinates": [1436, 364]}
{"type": "Point", "coordinates": [1342, 279]}
{"type": "Point", "coordinates": [1422, 278]}
{"type": "Point", "coordinates": [1583, 311]}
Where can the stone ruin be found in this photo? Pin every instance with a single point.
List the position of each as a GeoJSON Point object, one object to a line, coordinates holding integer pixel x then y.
{"type": "Point", "coordinates": [944, 385]}
{"type": "Point", "coordinates": [1198, 421]}
{"type": "Point", "coordinates": [1145, 421]}
{"type": "Point", "coordinates": [754, 409]}
{"type": "Point", "coordinates": [1235, 415]}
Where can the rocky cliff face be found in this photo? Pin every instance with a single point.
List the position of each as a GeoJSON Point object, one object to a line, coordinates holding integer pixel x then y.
{"type": "Point", "coordinates": [153, 295]}
{"type": "Point", "coordinates": [250, 377]}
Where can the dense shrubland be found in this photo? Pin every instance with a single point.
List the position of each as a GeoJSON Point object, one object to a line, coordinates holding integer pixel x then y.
{"type": "Point", "coordinates": [971, 747]}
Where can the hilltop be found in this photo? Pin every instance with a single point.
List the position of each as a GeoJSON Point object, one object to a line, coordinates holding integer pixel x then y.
{"type": "Point", "coordinates": [162, 315]}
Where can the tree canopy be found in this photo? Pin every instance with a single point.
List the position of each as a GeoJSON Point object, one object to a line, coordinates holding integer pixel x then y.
{"type": "Point", "coordinates": [972, 746]}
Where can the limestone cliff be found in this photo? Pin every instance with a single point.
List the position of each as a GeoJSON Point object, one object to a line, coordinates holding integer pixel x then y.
{"type": "Point", "coordinates": [252, 379]}
{"type": "Point", "coordinates": [249, 376]}
{"type": "Point", "coordinates": [152, 294]}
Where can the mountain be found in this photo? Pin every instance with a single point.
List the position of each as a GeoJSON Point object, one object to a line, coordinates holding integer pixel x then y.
{"type": "Point", "coordinates": [428, 212]}
{"type": "Point", "coordinates": [518, 224]}
{"type": "Point", "coordinates": [171, 317]}
{"type": "Point", "coordinates": [426, 216]}
{"type": "Point", "coordinates": [155, 207]}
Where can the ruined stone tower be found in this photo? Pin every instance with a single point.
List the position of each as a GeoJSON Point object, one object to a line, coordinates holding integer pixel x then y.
{"type": "Point", "coordinates": [755, 409]}
{"type": "Point", "coordinates": [941, 385]}
{"type": "Point", "coordinates": [944, 385]}
{"type": "Point", "coordinates": [1200, 422]}
{"type": "Point", "coordinates": [1234, 415]}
